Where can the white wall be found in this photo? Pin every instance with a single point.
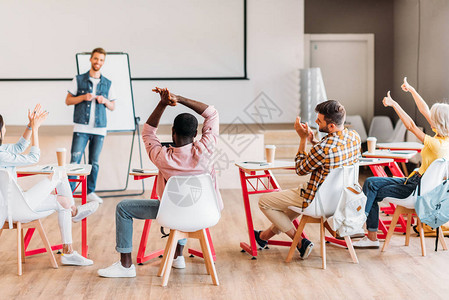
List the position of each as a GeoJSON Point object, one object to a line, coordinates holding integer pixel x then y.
{"type": "Point", "coordinates": [275, 53]}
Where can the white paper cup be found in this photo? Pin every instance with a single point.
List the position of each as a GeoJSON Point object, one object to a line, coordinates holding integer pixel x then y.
{"type": "Point", "coordinates": [371, 142]}
{"type": "Point", "coordinates": [61, 154]}
{"type": "Point", "coordinates": [270, 153]}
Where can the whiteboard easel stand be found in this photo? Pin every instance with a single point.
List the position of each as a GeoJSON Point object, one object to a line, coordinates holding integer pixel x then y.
{"type": "Point", "coordinates": [136, 120]}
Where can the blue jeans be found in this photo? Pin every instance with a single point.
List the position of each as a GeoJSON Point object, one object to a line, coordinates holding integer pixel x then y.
{"type": "Point", "coordinates": [126, 211]}
{"type": "Point", "coordinates": [378, 188]}
{"type": "Point", "coordinates": [79, 143]}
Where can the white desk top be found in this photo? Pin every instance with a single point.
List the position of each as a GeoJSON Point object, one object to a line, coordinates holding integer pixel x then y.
{"type": "Point", "coordinates": [400, 154]}
{"type": "Point", "coordinates": [282, 164]}
{"type": "Point", "coordinates": [71, 169]}
{"type": "Point", "coordinates": [401, 146]}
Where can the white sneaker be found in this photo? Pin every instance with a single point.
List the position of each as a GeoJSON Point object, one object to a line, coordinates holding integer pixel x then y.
{"type": "Point", "coordinates": [179, 263]}
{"type": "Point", "coordinates": [366, 243]}
{"type": "Point", "coordinates": [117, 270]}
{"type": "Point", "coordinates": [94, 197]}
{"type": "Point", "coordinates": [74, 259]}
{"type": "Point", "coordinates": [85, 210]}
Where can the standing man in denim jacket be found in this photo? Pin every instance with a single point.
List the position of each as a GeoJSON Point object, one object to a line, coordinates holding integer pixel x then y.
{"type": "Point", "coordinates": [91, 93]}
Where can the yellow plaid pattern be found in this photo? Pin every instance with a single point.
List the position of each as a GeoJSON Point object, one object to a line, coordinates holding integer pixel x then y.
{"type": "Point", "coordinates": [337, 149]}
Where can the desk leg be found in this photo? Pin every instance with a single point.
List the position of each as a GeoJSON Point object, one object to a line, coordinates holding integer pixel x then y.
{"type": "Point", "coordinates": [141, 257]}
{"type": "Point", "coordinates": [395, 170]}
{"type": "Point", "coordinates": [252, 248]}
{"type": "Point", "coordinates": [84, 246]}
{"type": "Point", "coordinates": [378, 171]}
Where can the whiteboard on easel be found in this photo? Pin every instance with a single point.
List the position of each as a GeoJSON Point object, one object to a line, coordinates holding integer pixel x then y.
{"type": "Point", "coordinates": [116, 68]}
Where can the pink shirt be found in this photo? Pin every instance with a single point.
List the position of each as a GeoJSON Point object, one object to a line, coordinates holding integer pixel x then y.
{"type": "Point", "coordinates": [191, 159]}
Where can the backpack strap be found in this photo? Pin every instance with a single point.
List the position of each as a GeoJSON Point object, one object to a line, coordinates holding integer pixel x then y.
{"type": "Point", "coordinates": [436, 239]}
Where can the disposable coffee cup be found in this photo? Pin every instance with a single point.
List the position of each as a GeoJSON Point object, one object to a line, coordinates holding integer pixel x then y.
{"type": "Point", "coordinates": [371, 141]}
{"type": "Point", "coordinates": [270, 151]}
{"type": "Point", "coordinates": [61, 156]}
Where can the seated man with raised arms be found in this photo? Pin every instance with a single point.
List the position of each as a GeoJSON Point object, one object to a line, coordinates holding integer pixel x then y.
{"type": "Point", "coordinates": [186, 157]}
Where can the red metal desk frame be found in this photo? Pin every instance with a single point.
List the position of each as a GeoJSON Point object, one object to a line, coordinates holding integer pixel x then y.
{"type": "Point", "coordinates": [258, 187]}
{"type": "Point", "coordinates": [81, 180]}
{"type": "Point", "coordinates": [141, 257]}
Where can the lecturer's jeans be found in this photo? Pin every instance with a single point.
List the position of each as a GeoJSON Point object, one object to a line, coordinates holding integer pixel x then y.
{"type": "Point", "coordinates": [126, 211]}
{"type": "Point", "coordinates": [79, 143]}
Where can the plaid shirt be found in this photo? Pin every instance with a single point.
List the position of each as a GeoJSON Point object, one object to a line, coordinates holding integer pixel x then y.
{"type": "Point", "coordinates": [337, 149]}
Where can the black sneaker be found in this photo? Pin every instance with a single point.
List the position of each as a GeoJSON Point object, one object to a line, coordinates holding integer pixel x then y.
{"type": "Point", "coordinates": [305, 249]}
{"type": "Point", "coordinates": [262, 243]}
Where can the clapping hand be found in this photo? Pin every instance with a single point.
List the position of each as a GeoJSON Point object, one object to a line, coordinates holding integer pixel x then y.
{"type": "Point", "coordinates": [37, 116]}
{"type": "Point", "coordinates": [388, 101]}
{"type": "Point", "coordinates": [167, 98]}
{"type": "Point", "coordinates": [302, 129]}
{"type": "Point", "coordinates": [406, 87]}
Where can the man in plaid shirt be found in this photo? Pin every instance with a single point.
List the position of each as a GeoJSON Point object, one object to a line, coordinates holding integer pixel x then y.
{"type": "Point", "coordinates": [338, 148]}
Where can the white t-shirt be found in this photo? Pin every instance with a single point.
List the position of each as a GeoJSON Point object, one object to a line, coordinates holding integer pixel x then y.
{"type": "Point", "coordinates": [89, 128]}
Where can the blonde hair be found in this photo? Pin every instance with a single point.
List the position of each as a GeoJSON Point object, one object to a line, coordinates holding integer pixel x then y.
{"type": "Point", "coordinates": [439, 113]}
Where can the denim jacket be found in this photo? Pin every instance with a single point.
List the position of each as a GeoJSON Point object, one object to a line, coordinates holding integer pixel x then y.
{"type": "Point", "coordinates": [81, 113]}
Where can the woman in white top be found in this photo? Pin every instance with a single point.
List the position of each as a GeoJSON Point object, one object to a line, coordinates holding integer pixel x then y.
{"type": "Point", "coordinates": [41, 197]}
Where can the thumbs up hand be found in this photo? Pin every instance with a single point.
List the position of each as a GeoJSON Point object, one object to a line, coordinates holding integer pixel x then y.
{"type": "Point", "coordinates": [406, 87]}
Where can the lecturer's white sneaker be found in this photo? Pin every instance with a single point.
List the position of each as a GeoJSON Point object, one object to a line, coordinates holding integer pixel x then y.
{"type": "Point", "coordinates": [74, 259]}
{"type": "Point", "coordinates": [179, 262]}
{"type": "Point", "coordinates": [94, 197]}
{"type": "Point", "coordinates": [117, 270]}
{"type": "Point", "coordinates": [82, 211]}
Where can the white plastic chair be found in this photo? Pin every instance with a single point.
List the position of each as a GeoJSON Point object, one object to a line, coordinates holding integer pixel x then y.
{"type": "Point", "coordinates": [21, 216]}
{"type": "Point", "coordinates": [382, 128]}
{"type": "Point", "coordinates": [434, 175]}
{"type": "Point", "coordinates": [356, 123]}
{"type": "Point", "coordinates": [188, 206]}
{"type": "Point", "coordinates": [323, 206]}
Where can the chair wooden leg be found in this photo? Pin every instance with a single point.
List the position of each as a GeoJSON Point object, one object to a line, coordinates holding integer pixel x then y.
{"type": "Point", "coordinates": [393, 223]}
{"type": "Point", "coordinates": [165, 256]}
{"type": "Point", "coordinates": [19, 248]}
{"type": "Point", "coordinates": [323, 243]}
{"type": "Point", "coordinates": [44, 238]}
{"type": "Point", "coordinates": [421, 237]}
{"type": "Point", "coordinates": [441, 238]}
{"type": "Point", "coordinates": [351, 249]}
{"type": "Point", "coordinates": [170, 255]}
{"type": "Point", "coordinates": [23, 246]}
{"type": "Point", "coordinates": [205, 247]}
{"type": "Point", "coordinates": [407, 230]}
{"type": "Point", "coordinates": [296, 238]}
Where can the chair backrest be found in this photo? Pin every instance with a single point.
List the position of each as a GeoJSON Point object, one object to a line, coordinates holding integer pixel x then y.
{"type": "Point", "coordinates": [434, 175]}
{"type": "Point", "coordinates": [398, 133]}
{"type": "Point", "coordinates": [328, 194]}
{"type": "Point", "coordinates": [356, 123]}
{"type": "Point", "coordinates": [381, 128]}
{"type": "Point", "coordinates": [16, 205]}
{"type": "Point", "coordinates": [189, 203]}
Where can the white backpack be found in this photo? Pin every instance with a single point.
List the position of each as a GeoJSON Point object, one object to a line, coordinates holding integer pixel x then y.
{"type": "Point", "coordinates": [349, 217]}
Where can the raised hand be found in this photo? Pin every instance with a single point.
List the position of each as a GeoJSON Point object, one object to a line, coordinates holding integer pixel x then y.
{"type": "Point", "coordinates": [167, 98]}
{"type": "Point", "coordinates": [302, 129]}
{"type": "Point", "coordinates": [388, 101]}
{"type": "Point", "coordinates": [406, 87]}
{"type": "Point", "coordinates": [37, 117]}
